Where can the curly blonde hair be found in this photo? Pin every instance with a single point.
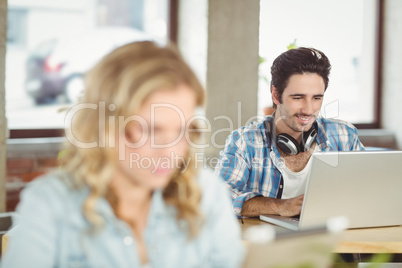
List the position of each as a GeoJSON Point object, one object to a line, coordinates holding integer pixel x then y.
{"type": "Point", "coordinates": [124, 79]}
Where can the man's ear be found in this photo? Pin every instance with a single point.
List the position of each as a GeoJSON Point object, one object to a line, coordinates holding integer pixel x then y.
{"type": "Point", "coordinates": [275, 95]}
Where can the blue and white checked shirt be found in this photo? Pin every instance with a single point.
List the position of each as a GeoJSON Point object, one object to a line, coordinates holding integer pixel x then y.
{"type": "Point", "coordinates": [248, 162]}
{"type": "Point", "coordinates": [50, 231]}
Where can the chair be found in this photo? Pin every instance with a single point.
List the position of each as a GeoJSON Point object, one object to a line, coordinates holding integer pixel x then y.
{"type": "Point", "coordinates": [5, 225]}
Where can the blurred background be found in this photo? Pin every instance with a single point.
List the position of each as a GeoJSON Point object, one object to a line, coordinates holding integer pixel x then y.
{"type": "Point", "coordinates": [51, 44]}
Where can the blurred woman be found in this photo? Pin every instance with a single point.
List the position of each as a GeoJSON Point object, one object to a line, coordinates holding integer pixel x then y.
{"type": "Point", "coordinates": [129, 193]}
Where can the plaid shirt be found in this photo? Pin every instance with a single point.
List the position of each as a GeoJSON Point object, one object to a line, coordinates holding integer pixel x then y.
{"type": "Point", "coordinates": [248, 164]}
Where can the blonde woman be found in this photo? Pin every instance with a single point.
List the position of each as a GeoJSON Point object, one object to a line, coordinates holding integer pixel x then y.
{"type": "Point", "coordinates": [130, 193]}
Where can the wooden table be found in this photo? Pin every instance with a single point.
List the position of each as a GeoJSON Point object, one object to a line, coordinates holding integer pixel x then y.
{"type": "Point", "coordinates": [365, 240]}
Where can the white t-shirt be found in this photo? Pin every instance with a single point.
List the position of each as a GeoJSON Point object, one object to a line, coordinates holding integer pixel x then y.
{"type": "Point", "coordinates": [294, 183]}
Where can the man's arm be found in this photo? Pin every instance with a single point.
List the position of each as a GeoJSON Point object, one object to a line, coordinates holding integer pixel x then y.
{"type": "Point", "coordinates": [234, 169]}
{"type": "Point", "coordinates": [266, 205]}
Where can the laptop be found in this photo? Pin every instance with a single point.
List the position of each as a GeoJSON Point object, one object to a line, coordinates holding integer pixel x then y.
{"type": "Point", "coordinates": [362, 186]}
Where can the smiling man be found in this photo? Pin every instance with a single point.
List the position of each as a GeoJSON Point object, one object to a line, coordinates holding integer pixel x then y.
{"type": "Point", "coordinates": [265, 164]}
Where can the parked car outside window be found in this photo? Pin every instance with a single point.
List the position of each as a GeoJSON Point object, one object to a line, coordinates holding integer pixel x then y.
{"type": "Point", "coordinates": [55, 68]}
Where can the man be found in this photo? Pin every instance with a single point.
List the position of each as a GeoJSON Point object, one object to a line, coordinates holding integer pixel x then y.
{"type": "Point", "coordinates": [265, 164]}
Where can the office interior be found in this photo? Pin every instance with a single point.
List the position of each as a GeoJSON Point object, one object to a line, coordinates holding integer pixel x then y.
{"type": "Point", "coordinates": [220, 40]}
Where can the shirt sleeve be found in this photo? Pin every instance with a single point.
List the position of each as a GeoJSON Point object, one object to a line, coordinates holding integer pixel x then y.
{"type": "Point", "coordinates": [32, 238]}
{"type": "Point", "coordinates": [235, 169]}
{"type": "Point", "coordinates": [355, 143]}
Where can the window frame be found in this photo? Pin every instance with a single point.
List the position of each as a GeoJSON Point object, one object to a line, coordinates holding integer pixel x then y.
{"type": "Point", "coordinates": [173, 29]}
{"type": "Point", "coordinates": [378, 62]}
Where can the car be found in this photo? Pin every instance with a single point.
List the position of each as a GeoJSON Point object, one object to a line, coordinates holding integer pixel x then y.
{"type": "Point", "coordinates": [56, 67]}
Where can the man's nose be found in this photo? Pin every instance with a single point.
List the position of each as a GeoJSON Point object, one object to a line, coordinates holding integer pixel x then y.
{"type": "Point", "coordinates": [308, 107]}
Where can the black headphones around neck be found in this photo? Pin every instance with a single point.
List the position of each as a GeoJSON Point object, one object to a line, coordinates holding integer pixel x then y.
{"type": "Point", "coordinates": [289, 145]}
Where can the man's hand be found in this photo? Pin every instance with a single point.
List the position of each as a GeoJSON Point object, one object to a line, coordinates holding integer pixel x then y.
{"type": "Point", "coordinates": [290, 207]}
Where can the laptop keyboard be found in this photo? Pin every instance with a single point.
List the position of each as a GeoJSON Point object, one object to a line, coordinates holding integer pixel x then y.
{"type": "Point", "coordinates": [295, 219]}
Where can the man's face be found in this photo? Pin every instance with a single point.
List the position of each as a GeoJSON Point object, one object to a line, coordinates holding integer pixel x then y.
{"type": "Point", "coordinates": [301, 103]}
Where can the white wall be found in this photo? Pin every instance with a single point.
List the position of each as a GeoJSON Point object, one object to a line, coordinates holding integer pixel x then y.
{"type": "Point", "coordinates": [219, 38]}
{"type": "Point", "coordinates": [392, 69]}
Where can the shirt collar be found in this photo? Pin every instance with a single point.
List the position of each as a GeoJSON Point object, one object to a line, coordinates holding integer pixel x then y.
{"type": "Point", "coordinates": [269, 132]}
{"type": "Point", "coordinates": [321, 139]}
{"type": "Point", "coordinates": [158, 207]}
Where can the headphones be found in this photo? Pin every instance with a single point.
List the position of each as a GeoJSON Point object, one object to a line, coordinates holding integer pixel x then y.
{"type": "Point", "coordinates": [289, 145]}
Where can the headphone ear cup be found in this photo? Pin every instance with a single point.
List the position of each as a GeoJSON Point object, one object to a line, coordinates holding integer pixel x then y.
{"type": "Point", "coordinates": [288, 144]}
{"type": "Point", "coordinates": [308, 139]}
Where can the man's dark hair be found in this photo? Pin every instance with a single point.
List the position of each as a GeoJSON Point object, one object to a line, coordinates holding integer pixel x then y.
{"type": "Point", "coordinates": [298, 61]}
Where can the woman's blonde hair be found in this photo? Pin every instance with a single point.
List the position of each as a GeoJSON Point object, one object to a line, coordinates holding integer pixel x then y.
{"type": "Point", "coordinates": [117, 86]}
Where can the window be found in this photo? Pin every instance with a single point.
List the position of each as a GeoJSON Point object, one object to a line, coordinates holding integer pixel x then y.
{"type": "Point", "coordinates": [51, 44]}
{"type": "Point", "coordinates": [346, 31]}
{"type": "Point", "coordinates": [16, 28]}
